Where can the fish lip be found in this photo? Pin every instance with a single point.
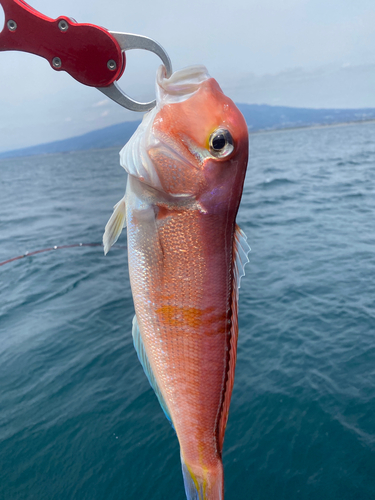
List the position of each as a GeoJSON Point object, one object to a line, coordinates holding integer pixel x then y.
{"type": "Point", "coordinates": [174, 155]}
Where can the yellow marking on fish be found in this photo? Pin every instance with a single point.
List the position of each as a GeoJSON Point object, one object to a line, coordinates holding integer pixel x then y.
{"type": "Point", "coordinates": [181, 316]}
{"type": "Point", "coordinates": [196, 483]}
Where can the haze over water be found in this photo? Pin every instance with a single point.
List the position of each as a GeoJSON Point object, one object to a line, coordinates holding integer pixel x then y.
{"type": "Point", "coordinates": [78, 419]}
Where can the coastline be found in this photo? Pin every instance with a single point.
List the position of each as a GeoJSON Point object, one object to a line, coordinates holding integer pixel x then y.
{"type": "Point", "coordinates": [317, 126]}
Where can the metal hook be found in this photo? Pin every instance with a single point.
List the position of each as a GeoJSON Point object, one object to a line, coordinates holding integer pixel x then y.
{"type": "Point", "coordinates": [127, 41]}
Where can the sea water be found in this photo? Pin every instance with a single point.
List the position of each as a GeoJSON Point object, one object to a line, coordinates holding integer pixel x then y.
{"type": "Point", "coordinates": [78, 420]}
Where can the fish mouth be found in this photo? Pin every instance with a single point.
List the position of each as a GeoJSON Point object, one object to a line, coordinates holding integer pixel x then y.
{"type": "Point", "coordinates": [165, 157]}
{"type": "Point", "coordinates": [177, 158]}
{"type": "Point", "coordinates": [171, 149]}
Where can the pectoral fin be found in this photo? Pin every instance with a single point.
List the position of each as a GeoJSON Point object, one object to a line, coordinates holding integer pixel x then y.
{"type": "Point", "coordinates": [115, 225]}
{"type": "Point", "coordinates": [240, 255]}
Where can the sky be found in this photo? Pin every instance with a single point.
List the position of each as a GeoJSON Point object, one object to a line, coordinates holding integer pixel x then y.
{"type": "Point", "coordinates": [305, 53]}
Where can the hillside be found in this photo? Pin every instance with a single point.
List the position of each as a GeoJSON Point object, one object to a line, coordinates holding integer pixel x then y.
{"type": "Point", "coordinates": [259, 117]}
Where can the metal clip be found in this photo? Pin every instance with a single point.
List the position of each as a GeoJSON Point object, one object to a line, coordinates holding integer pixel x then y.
{"type": "Point", "coordinates": [128, 41]}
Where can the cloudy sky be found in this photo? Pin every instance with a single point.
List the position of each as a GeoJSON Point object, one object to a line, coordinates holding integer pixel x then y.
{"type": "Point", "coordinates": [309, 53]}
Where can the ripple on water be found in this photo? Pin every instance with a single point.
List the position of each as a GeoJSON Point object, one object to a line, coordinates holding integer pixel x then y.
{"type": "Point", "coordinates": [77, 417]}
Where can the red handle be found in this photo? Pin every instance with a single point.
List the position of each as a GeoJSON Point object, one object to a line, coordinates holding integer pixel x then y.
{"type": "Point", "coordinates": [87, 52]}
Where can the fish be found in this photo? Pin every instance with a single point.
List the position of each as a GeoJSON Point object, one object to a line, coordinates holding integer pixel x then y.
{"type": "Point", "coordinates": [186, 166]}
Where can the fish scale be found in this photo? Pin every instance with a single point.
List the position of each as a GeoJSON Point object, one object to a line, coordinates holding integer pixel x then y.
{"type": "Point", "coordinates": [190, 349]}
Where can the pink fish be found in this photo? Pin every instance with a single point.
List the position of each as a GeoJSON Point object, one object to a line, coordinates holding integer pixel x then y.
{"type": "Point", "coordinates": [186, 166]}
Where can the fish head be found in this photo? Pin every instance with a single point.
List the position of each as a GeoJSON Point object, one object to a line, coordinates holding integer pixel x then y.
{"type": "Point", "coordinates": [194, 145]}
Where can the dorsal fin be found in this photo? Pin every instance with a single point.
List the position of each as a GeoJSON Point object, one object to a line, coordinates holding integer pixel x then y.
{"type": "Point", "coordinates": [240, 259]}
{"type": "Point", "coordinates": [142, 356]}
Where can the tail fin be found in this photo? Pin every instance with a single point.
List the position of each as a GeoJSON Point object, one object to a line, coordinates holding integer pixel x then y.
{"type": "Point", "coordinates": [207, 485]}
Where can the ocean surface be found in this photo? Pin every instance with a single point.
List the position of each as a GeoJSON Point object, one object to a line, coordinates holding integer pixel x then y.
{"type": "Point", "coordinates": [78, 420]}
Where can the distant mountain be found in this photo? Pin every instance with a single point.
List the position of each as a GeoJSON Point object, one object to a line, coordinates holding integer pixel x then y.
{"type": "Point", "coordinates": [259, 117]}
{"type": "Point", "coordinates": [115, 135]}
{"type": "Point", "coordinates": [265, 117]}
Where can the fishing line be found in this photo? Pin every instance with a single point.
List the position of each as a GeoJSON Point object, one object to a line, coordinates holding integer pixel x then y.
{"type": "Point", "coordinates": [50, 249]}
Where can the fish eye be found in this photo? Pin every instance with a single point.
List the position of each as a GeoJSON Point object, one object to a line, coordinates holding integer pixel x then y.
{"type": "Point", "coordinates": [221, 143]}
